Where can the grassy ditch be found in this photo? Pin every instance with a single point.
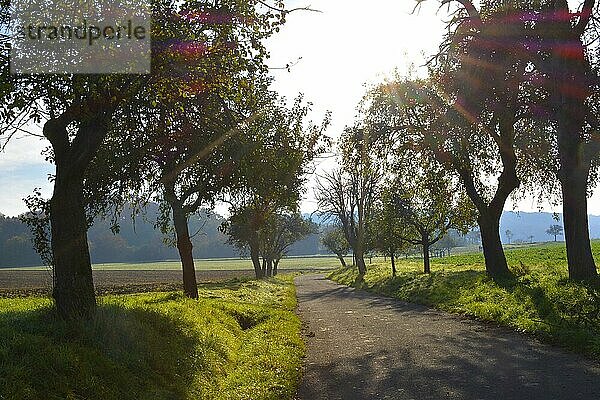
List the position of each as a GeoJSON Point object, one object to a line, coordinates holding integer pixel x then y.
{"type": "Point", "coordinates": [241, 340]}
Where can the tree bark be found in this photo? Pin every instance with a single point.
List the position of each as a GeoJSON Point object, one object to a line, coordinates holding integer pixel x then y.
{"type": "Point", "coordinates": [73, 281]}
{"type": "Point", "coordinates": [264, 268]}
{"type": "Point", "coordinates": [575, 217]}
{"type": "Point", "coordinates": [269, 267]}
{"type": "Point", "coordinates": [185, 248]}
{"type": "Point", "coordinates": [393, 257]}
{"type": "Point", "coordinates": [570, 87]}
{"type": "Point", "coordinates": [360, 262]}
{"type": "Point", "coordinates": [275, 267]}
{"type": "Point", "coordinates": [73, 289]}
{"type": "Point", "coordinates": [493, 252]}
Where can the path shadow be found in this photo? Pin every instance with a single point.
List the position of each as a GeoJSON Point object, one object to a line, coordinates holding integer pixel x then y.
{"type": "Point", "coordinates": [475, 365]}
{"type": "Point", "coordinates": [432, 355]}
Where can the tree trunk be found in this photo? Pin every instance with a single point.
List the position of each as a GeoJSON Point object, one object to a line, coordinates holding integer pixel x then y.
{"type": "Point", "coordinates": [269, 267]}
{"type": "Point", "coordinates": [570, 110]}
{"type": "Point", "coordinates": [493, 252]}
{"type": "Point", "coordinates": [342, 261]}
{"type": "Point", "coordinates": [577, 237]}
{"type": "Point", "coordinates": [264, 267]}
{"type": "Point", "coordinates": [73, 289]}
{"type": "Point", "coordinates": [73, 281]}
{"type": "Point", "coordinates": [393, 257]}
{"type": "Point", "coordinates": [360, 262]}
{"type": "Point", "coordinates": [490, 212]}
{"type": "Point", "coordinates": [275, 267]}
{"type": "Point", "coordinates": [185, 248]}
{"type": "Point", "coordinates": [255, 257]}
{"type": "Point", "coordinates": [426, 262]}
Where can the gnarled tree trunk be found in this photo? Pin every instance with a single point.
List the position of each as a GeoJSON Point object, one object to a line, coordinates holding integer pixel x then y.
{"type": "Point", "coordinates": [73, 282]}
{"type": "Point", "coordinates": [360, 260]}
{"type": "Point", "coordinates": [184, 243]}
{"type": "Point", "coordinates": [490, 213]}
{"type": "Point", "coordinates": [342, 260]}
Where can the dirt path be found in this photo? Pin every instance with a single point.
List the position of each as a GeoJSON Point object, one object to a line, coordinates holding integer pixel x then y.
{"type": "Point", "coordinates": [362, 346]}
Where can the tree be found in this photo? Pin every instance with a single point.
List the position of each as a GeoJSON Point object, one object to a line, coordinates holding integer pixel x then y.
{"type": "Point", "coordinates": [569, 81]}
{"type": "Point", "coordinates": [280, 146]}
{"type": "Point", "coordinates": [470, 110]}
{"type": "Point", "coordinates": [78, 112]}
{"type": "Point", "coordinates": [555, 230]}
{"type": "Point", "coordinates": [335, 241]}
{"type": "Point", "coordinates": [348, 194]}
{"type": "Point", "coordinates": [509, 235]}
{"type": "Point", "coordinates": [281, 231]}
{"type": "Point", "coordinates": [387, 230]}
{"type": "Point", "coordinates": [194, 161]}
{"type": "Point", "coordinates": [429, 205]}
{"type": "Point", "coordinates": [184, 147]}
{"type": "Point", "coordinates": [347, 198]}
{"type": "Point", "coordinates": [562, 99]}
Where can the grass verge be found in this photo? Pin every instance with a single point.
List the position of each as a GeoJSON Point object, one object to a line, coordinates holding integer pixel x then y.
{"type": "Point", "coordinates": [538, 300]}
{"type": "Point", "coordinates": [241, 340]}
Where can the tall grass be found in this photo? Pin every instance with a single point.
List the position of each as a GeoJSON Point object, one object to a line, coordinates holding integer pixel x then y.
{"type": "Point", "coordinates": [241, 340]}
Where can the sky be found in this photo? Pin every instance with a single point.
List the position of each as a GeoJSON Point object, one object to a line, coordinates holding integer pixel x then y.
{"type": "Point", "coordinates": [347, 45]}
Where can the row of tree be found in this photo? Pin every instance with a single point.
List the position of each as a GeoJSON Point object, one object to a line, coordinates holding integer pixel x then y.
{"type": "Point", "coordinates": [203, 126]}
{"type": "Point", "coordinates": [510, 105]}
{"type": "Point", "coordinates": [389, 206]}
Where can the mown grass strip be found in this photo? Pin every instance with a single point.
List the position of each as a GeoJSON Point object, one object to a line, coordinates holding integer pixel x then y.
{"type": "Point", "coordinates": [241, 340]}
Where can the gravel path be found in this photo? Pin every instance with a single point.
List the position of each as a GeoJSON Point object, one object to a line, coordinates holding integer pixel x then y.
{"type": "Point", "coordinates": [362, 346]}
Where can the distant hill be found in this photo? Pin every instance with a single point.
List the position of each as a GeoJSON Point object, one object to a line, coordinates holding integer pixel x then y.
{"type": "Point", "coordinates": [137, 241]}
{"type": "Point", "coordinates": [525, 224]}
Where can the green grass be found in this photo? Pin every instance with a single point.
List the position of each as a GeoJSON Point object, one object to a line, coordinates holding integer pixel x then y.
{"type": "Point", "coordinates": [538, 300]}
{"type": "Point", "coordinates": [241, 340]}
{"type": "Point", "coordinates": [219, 264]}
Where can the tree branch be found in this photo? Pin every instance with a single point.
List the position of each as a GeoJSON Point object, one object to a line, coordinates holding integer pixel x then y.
{"type": "Point", "coordinates": [584, 16]}
{"type": "Point", "coordinates": [284, 11]}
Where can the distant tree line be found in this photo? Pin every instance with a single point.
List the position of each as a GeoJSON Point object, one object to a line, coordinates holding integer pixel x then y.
{"type": "Point", "coordinates": [138, 241]}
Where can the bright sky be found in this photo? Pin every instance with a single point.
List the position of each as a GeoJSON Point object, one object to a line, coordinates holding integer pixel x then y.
{"type": "Point", "coordinates": [347, 45]}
